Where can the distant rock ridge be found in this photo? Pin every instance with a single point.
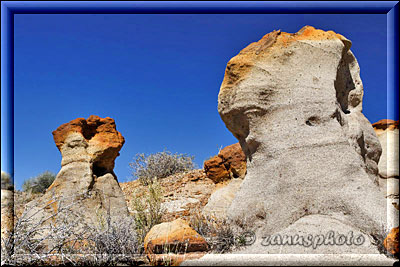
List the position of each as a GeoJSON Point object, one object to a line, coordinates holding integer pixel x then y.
{"type": "Point", "coordinates": [294, 103]}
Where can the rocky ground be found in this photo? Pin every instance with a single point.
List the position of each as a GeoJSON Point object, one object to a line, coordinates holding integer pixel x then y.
{"type": "Point", "coordinates": [183, 193]}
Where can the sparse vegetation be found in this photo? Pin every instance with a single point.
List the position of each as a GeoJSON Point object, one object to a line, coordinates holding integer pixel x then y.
{"type": "Point", "coordinates": [6, 182]}
{"type": "Point", "coordinates": [61, 238]}
{"type": "Point", "coordinates": [147, 209]}
{"type": "Point", "coordinates": [33, 242]}
{"type": "Point", "coordinates": [40, 183]}
{"type": "Point", "coordinates": [159, 165]}
{"type": "Point", "coordinates": [114, 241]}
{"type": "Point", "coordinates": [220, 235]}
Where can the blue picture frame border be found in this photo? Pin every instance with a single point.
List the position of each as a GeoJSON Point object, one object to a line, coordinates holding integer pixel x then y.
{"type": "Point", "coordinates": [9, 8]}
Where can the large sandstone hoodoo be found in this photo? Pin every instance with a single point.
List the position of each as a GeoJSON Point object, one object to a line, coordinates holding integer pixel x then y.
{"type": "Point", "coordinates": [88, 148]}
{"type": "Point", "coordinates": [294, 102]}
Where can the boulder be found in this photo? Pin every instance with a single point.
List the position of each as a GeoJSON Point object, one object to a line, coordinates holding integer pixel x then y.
{"type": "Point", "coordinates": [86, 183]}
{"type": "Point", "coordinates": [173, 242]}
{"type": "Point", "coordinates": [176, 237]}
{"type": "Point", "coordinates": [228, 164]}
{"type": "Point", "coordinates": [294, 102]}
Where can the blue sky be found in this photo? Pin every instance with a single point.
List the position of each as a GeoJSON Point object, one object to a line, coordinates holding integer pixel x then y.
{"type": "Point", "coordinates": [158, 76]}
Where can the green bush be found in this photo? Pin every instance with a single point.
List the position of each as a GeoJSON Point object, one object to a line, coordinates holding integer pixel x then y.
{"type": "Point", "coordinates": [40, 183]}
{"type": "Point", "coordinates": [159, 165]}
{"type": "Point", "coordinates": [6, 182]}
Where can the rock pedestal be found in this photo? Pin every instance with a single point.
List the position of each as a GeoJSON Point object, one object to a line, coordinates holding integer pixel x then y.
{"type": "Point", "coordinates": [294, 102]}
{"type": "Point", "coordinates": [86, 180]}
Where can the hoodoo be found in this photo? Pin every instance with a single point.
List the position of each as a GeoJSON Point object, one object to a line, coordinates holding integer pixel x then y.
{"type": "Point", "coordinates": [294, 102]}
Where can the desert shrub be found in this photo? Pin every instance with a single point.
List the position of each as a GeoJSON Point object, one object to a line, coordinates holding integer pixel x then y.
{"type": "Point", "coordinates": [40, 183]}
{"type": "Point", "coordinates": [35, 241]}
{"type": "Point", "coordinates": [219, 233]}
{"type": "Point", "coordinates": [159, 165]}
{"type": "Point", "coordinates": [147, 209]}
{"type": "Point", "coordinates": [62, 238]}
{"type": "Point", "coordinates": [114, 241]}
{"type": "Point", "coordinates": [6, 182]}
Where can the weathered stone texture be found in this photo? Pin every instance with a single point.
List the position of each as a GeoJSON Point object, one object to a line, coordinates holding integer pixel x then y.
{"type": "Point", "coordinates": [294, 102]}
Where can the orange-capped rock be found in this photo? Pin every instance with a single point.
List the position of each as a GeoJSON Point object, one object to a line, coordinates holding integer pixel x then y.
{"type": "Point", "coordinates": [86, 183]}
{"type": "Point", "coordinates": [229, 163]}
{"type": "Point", "coordinates": [294, 103]}
{"type": "Point", "coordinates": [174, 237]}
{"type": "Point", "coordinates": [100, 136]}
{"type": "Point", "coordinates": [387, 132]}
{"type": "Point", "coordinates": [391, 242]}
{"type": "Point", "coordinates": [239, 66]}
{"type": "Point", "coordinates": [386, 124]}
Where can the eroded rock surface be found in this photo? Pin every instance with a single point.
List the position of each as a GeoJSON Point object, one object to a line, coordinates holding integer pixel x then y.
{"type": "Point", "coordinates": [388, 135]}
{"type": "Point", "coordinates": [7, 212]}
{"type": "Point", "coordinates": [177, 240]}
{"type": "Point", "coordinates": [294, 102]}
{"type": "Point", "coordinates": [391, 242]}
{"type": "Point", "coordinates": [230, 163]}
{"type": "Point", "coordinates": [86, 180]}
{"type": "Point", "coordinates": [227, 170]}
{"type": "Point", "coordinates": [184, 194]}
{"type": "Point", "coordinates": [221, 199]}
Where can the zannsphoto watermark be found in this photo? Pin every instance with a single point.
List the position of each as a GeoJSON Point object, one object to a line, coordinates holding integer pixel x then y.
{"type": "Point", "coordinates": [329, 239]}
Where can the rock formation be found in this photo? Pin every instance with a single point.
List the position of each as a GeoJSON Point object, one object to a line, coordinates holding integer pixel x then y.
{"type": "Point", "coordinates": [227, 170]}
{"type": "Point", "coordinates": [221, 199]}
{"type": "Point", "coordinates": [391, 242]}
{"type": "Point", "coordinates": [228, 164]}
{"type": "Point", "coordinates": [7, 205]}
{"type": "Point", "coordinates": [86, 179]}
{"type": "Point", "coordinates": [7, 213]}
{"type": "Point", "coordinates": [294, 102]}
{"type": "Point", "coordinates": [388, 135]}
{"type": "Point", "coordinates": [185, 194]}
{"type": "Point", "coordinates": [175, 237]}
